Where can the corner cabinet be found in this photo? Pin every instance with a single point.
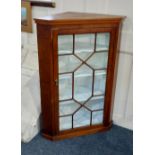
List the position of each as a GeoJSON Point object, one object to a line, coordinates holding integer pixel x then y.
{"type": "Point", "coordinates": [78, 56]}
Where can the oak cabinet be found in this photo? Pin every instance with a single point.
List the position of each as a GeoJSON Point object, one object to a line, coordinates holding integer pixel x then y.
{"type": "Point", "coordinates": [78, 56]}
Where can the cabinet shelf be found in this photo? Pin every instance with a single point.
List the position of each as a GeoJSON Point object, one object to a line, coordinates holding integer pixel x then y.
{"type": "Point", "coordinates": [65, 77]}
{"type": "Point", "coordinates": [67, 49]}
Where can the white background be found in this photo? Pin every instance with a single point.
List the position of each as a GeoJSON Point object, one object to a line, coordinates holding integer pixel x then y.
{"type": "Point", "coordinates": [144, 77]}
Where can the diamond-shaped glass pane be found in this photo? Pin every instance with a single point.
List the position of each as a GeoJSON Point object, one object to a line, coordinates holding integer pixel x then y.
{"type": "Point", "coordinates": [67, 107]}
{"type": "Point", "coordinates": [102, 41]}
{"type": "Point", "coordinates": [65, 44]}
{"type": "Point", "coordinates": [98, 60]}
{"type": "Point", "coordinates": [65, 123]}
{"type": "Point", "coordinates": [84, 45]}
{"type": "Point", "coordinates": [95, 103]}
{"type": "Point", "coordinates": [83, 83]}
{"type": "Point", "coordinates": [97, 117]}
{"type": "Point", "coordinates": [68, 63]}
{"type": "Point", "coordinates": [81, 118]}
{"type": "Point", "coordinates": [99, 82]}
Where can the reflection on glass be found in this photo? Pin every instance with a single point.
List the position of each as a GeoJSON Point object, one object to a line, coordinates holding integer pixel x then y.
{"type": "Point", "coordinates": [65, 44]}
{"type": "Point", "coordinates": [81, 118]}
{"type": "Point", "coordinates": [97, 117]}
{"type": "Point", "coordinates": [77, 86]}
{"type": "Point", "coordinates": [99, 82]}
{"type": "Point", "coordinates": [95, 103]}
{"type": "Point", "coordinates": [68, 63]}
{"type": "Point", "coordinates": [83, 83]}
{"type": "Point", "coordinates": [98, 60]}
{"type": "Point", "coordinates": [102, 41]}
{"type": "Point", "coordinates": [84, 45]}
{"type": "Point", "coordinates": [67, 107]}
{"type": "Point", "coordinates": [65, 86]}
{"type": "Point", "coordinates": [65, 123]}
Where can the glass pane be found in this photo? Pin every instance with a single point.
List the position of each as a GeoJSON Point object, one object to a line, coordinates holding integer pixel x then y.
{"type": "Point", "coordinates": [97, 117]}
{"type": "Point", "coordinates": [67, 107]}
{"type": "Point", "coordinates": [65, 123]}
{"type": "Point", "coordinates": [99, 82]}
{"type": "Point", "coordinates": [84, 45]}
{"type": "Point", "coordinates": [102, 42]}
{"type": "Point", "coordinates": [95, 103]}
{"type": "Point", "coordinates": [81, 118]}
{"type": "Point", "coordinates": [68, 63]}
{"type": "Point", "coordinates": [98, 60]}
{"type": "Point", "coordinates": [83, 83]}
{"type": "Point", "coordinates": [77, 83]}
{"type": "Point", "coordinates": [65, 86]}
{"type": "Point", "coordinates": [65, 44]}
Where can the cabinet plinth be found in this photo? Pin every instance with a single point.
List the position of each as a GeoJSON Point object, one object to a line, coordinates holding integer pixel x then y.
{"type": "Point", "coordinates": [78, 57]}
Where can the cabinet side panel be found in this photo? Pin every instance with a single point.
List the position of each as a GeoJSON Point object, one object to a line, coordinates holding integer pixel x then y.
{"type": "Point", "coordinates": [111, 77]}
{"type": "Point", "coordinates": [46, 108]}
{"type": "Point", "coordinates": [116, 50]}
{"type": "Point", "coordinates": [44, 53]}
{"type": "Point", "coordinates": [46, 76]}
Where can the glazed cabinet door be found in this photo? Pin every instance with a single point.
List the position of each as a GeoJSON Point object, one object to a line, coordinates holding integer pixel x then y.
{"type": "Point", "coordinates": [81, 61]}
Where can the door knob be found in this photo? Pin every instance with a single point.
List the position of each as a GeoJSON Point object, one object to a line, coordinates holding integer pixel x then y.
{"type": "Point", "coordinates": [56, 82]}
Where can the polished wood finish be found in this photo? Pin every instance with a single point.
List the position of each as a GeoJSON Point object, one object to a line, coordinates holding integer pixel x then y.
{"type": "Point", "coordinates": [78, 132]}
{"type": "Point", "coordinates": [79, 18]}
{"type": "Point", "coordinates": [48, 29]}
